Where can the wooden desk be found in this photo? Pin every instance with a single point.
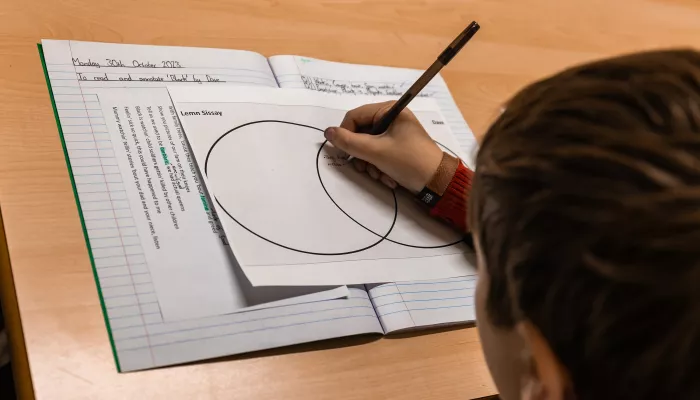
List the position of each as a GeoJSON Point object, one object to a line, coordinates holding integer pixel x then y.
{"type": "Point", "coordinates": [67, 348]}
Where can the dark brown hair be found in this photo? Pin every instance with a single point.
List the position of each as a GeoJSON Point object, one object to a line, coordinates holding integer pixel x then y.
{"type": "Point", "coordinates": [586, 203]}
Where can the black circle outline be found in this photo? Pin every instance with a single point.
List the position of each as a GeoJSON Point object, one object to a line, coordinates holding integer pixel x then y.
{"type": "Point", "coordinates": [318, 171]}
{"type": "Point", "coordinates": [381, 239]}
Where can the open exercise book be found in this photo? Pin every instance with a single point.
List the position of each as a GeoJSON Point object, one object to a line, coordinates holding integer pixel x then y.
{"type": "Point", "coordinates": [168, 307]}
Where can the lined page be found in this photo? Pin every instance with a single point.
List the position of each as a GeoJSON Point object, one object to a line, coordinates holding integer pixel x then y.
{"type": "Point", "coordinates": [82, 65]}
{"type": "Point", "coordinates": [355, 79]}
{"type": "Point", "coordinates": [77, 71]}
{"type": "Point", "coordinates": [416, 304]}
{"type": "Point", "coordinates": [143, 340]}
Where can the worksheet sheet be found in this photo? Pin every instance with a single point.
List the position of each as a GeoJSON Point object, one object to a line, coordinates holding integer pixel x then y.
{"type": "Point", "coordinates": [294, 210]}
{"type": "Point", "coordinates": [191, 262]}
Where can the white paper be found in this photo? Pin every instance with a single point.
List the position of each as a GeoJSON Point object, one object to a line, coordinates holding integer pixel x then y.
{"type": "Point", "coordinates": [130, 65]}
{"type": "Point", "coordinates": [191, 265]}
{"type": "Point", "coordinates": [121, 243]}
{"type": "Point", "coordinates": [421, 304]}
{"type": "Point", "coordinates": [371, 80]}
{"type": "Point", "coordinates": [262, 154]}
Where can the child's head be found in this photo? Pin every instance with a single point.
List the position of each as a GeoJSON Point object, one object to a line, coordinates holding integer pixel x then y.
{"type": "Point", "coordinates": [586, 215]}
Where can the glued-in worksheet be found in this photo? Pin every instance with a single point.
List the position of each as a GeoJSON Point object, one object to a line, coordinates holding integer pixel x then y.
{"type": "Point", "coordinates": [294, 210]}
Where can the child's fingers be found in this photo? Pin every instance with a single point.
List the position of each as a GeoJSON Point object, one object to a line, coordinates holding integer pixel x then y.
{"type": "Point", "coordinates": [360, 165]}
{"type": "Point", "coordinates": [373, 171]}
{"type": "Point", "coordinates": [386, 179]}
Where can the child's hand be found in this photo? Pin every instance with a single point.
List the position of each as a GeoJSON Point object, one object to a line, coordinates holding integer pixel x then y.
{"type": "Point", "coordinates": [404, 154]}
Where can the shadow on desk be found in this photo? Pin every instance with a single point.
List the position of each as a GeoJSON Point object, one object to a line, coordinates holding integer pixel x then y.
{"type": "Point", "coordinates": [7, 383]}
{"type": "Point", "coordinates": [14, 376]}
{"type": "Point", "coordinates": [429, 331]}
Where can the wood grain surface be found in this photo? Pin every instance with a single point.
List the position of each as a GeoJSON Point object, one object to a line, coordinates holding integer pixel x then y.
{"type": "Point", "coordinates": [67, 348]}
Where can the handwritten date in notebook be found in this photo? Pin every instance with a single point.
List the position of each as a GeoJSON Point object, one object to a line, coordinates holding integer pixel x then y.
{"type": "Point", "coordinates": [148, 325]}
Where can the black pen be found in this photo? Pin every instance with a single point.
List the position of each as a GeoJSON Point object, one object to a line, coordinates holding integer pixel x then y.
{"type": "Point", "coordinates": [383, 124]}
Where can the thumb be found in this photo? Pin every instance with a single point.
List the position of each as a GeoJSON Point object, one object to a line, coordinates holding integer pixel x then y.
{"type": "Point", "coordinates": [358, 145]}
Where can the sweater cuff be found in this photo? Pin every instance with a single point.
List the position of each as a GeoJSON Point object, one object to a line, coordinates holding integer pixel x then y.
{"type": "Point", "coordinates": [452, 206]}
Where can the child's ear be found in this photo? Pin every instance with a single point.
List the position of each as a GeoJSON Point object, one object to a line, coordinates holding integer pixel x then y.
{"type": "Point", "coordinates": [548, 379]}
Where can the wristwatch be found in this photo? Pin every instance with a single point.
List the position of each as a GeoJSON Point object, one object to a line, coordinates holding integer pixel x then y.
{"type": "Point", "coordinates": [434, 190]}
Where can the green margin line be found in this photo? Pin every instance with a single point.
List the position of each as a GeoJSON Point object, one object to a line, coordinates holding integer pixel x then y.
{"type": "Point", "coordinates": [80, 210]}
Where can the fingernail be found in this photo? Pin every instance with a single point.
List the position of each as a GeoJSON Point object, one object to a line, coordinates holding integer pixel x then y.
{"type": "Point", "coordinates": [329, 133]}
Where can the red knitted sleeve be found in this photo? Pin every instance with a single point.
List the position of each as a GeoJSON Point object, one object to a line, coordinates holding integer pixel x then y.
{"type": "Point", "coordinates": [452, 206]}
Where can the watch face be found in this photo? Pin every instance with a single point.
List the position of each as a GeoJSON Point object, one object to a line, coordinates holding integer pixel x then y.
{"type": "Point", "coordinates": [428, 197]}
